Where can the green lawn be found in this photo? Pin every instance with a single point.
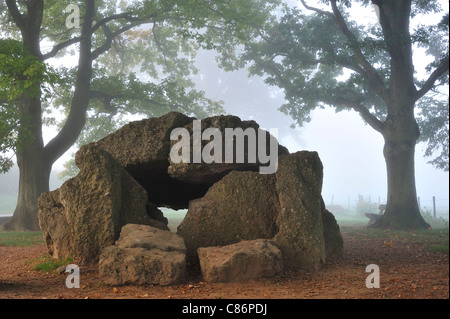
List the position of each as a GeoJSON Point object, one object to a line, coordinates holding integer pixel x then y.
{"type": "Point", "coordinates": [22, 239]}
{"type": "Point", "coordinates": [436, 239]}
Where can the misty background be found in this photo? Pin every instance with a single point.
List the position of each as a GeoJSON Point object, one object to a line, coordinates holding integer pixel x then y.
{"type": "Point", "coordinates": [351, 152]}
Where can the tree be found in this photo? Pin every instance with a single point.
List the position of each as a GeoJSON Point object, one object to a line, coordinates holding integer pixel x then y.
{"type": "Point", "coordinates": [319, 57]}
{"type": "Point", "coordinates": [434, 127]}
{"type": "Point", "coordinates": [116, 43]}
{"type": "Point", "coordinates": [433, 117]}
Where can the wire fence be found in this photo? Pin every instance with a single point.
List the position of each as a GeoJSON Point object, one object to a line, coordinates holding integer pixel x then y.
{"type": "Point", "coordinates": [437, 206]}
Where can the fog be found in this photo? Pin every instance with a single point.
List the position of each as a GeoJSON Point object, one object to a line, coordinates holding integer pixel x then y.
{"type": "Point", "coordinates": [350, 150]}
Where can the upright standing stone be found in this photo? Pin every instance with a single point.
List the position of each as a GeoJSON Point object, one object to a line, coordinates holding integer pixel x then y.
{"type": "Point", "coordinates": [88, 211]}
{"type": "Point", "coordinates": [299, 185]}
{"type": "Point", "coordinates": [241, 206]}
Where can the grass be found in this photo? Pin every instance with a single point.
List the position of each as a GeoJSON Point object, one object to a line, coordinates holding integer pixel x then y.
{"type": "Point", "coordinates": [351, 220]}
{"type": "Point", "coordinates": [436, 240]}
{"type": "Point", "coordinates": [438, 249]}
{"type": "Point", "coordinates": [21, 239]}
{"type": "Point", "coordinates": [46, 264]}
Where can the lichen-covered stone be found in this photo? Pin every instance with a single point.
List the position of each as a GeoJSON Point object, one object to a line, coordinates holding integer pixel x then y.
{"type": "Point", "coordinates": [143, 148]}
{"type": "Point", "coordinates": [241, 206]}
{"type": "Point", "coordinates": [87, 212]}
{"type": "Point", "coordinates": [334, 243]}
{"type": "Point", "coordinates": [201, 173]}
{"type": "Point", "coordinates": [299, 186]}
{"type": "Point", "coordinates": [126, 176]}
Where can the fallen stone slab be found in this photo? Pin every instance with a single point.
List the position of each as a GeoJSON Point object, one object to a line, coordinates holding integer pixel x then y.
{"type": "Point", "coordinates": [248, 259]}
{"type": "Point", "coordinates": [144, 255]}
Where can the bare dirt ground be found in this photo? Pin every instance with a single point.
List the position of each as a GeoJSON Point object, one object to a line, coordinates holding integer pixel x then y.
{"type": "Point", "coordinates": [408, 270]}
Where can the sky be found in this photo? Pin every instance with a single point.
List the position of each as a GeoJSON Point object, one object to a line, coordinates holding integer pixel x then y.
{"type": "Point", "coordinates": [351, 151]}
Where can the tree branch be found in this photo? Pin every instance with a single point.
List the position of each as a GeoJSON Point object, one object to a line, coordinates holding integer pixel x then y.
{"type": "Point", "coordinates": [18, 18]}
{"type": "Point", "coordinates": [107, 98]}
{"type": "Point", "coordinates": [104, 21]}
{"type": "Point", "coordinates": [100, 24]}
{"type": "Point", "coordinates": [429, 83]}
{"type": "Point", "coordinates": [59, 47]}
{"type": "Point", "coordinates": [317, 10]}
{"type": "Point", "coordinates": [95, 94]}
{"type": "Point", "coordinates": [369, 71]}
{"type": "Point", "coordinates": [372, 74]}
{"type": "Point", "coordinates": [159, 44]}
{"type": "Point", "coordinates": [371, 119]}
{"type": "Point", "coordinates": [77, 115]}
{"type": "Point", "coordinates": [109, 38]}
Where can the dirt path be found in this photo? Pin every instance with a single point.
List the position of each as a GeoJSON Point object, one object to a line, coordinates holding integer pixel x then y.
{"type": "Point", "coordinates": [407, 270]}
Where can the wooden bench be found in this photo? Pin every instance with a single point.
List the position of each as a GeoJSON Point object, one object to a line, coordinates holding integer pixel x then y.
{"type": "Point", "coordinates": [374, 217]}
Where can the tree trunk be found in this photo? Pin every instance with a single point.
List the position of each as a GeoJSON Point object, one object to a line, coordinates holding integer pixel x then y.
{"type": "Point", "coordinates": [402, 210]}
{"type": "Point", "coordinates": [400, 130]}
{"type": "Point", "coordinates": [34, 180]}
{"type": "Point", "coordinates": [34, 172]}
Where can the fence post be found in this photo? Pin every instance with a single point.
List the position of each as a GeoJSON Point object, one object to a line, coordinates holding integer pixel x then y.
{"type": "Point", "coordinates": [434, 207]}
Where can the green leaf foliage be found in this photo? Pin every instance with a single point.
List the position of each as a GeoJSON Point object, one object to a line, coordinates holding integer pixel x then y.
{"type": "Point", "coordinates": [143, 55]}
{"type": "Point", "coordinates": [304, 51]}
{"type": "Point", "coordinates": [20, 74]}
{"type": "Point", "coordinates": [20, 71]}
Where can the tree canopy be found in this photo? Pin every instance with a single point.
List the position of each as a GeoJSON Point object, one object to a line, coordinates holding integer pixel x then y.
{"type": "Point", "coordinates": [143, 54]}
{"type": "Point", "coordinates": [324, 55]}
{"type": "Point", "coordinates": [317, 63]}
{"type": "Point", "coordinates": [120, 58]}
